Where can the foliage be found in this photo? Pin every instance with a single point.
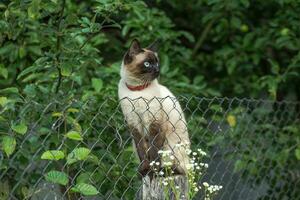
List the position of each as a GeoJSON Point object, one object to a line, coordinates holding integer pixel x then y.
{"type": "Point", "coordinates": [71, 51]}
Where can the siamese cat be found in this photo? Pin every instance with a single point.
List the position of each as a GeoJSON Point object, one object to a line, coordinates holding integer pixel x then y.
{"type": "Point", "coordinates": [153, 114]}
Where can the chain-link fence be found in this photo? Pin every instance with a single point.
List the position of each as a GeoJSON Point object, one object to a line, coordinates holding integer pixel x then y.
{"type": "Point", "coordinates": [83, 150]}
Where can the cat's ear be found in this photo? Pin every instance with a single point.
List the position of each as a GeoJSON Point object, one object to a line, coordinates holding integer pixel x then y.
{"type": "Point", "coordinates": [135, 47]}
{"type": "Point", "coordinates": [154, 46]}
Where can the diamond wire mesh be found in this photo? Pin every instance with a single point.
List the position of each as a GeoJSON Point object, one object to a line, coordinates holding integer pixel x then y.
{"type": "Point", "coordinates": [252, 146]}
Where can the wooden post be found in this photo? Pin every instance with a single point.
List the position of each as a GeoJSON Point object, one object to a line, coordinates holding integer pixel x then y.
{"type": "Point", "coordinates": [154, 189]}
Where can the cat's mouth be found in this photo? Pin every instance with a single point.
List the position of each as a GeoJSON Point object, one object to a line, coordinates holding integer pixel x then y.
{"type": "Point", "coordinates": [155, 74]}
{"type": "Point", "coordinates": [150, 76]}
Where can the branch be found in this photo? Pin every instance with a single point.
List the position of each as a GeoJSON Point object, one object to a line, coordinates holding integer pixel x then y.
{"type": "Point", "coordinates": [203, 36]}
{"type": "Point", "coordinates": [58, 46]}
{"type": "Point", "coordinates": [93, 34]}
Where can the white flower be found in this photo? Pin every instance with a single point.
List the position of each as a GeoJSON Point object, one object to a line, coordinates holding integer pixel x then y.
{"type": "Point", "coordinates": [205, 184]}
{"type": "Point", "coordinates": [165, 183]}
{"type": "Point", "coordinates": [206, 165]}
{"type": "Point", "coordinates": [177, 187]}
{"type": "Point", "coordinates": [196, 189]}
{"type": "Point", "coordinates": [152, 163]}
{"type": "Point", "coordinates": [188, 151]}
{"type": "Point", "coordinates": [161, 173]}
{"type": "Point", "coordinates": [190, 166]}
{"type": "Point", "coordinates": [157, 163]}
{"type": "Point", "coordinates": [194, 153]}
{"type": "Point", "coordinates": [167, 152]}
{"type": "Point", "coordinates": [160, 152]}
{"type": "Point", "coordinates": [197, 167]}
{"type": "Point", "coordinates": [172, 157]}
{"type": "Point", "coordinates": [178, 145]}
{"type": "Point", "coordinates": [202, 152]}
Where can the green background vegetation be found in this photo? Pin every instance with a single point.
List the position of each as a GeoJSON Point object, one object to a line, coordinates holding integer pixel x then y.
{"type": "Point", "coordinates": [63, 50]}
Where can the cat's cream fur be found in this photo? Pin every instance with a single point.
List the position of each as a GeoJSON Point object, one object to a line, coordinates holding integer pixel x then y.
{"type": "Point", "coordinates": [156, 102]}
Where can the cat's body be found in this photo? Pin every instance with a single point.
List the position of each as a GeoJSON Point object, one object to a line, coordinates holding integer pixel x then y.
{"type": "Point", "coordinates": [154, 116]}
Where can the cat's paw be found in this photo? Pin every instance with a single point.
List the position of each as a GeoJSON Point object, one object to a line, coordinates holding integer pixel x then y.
{"type": "Point", "coordinates": [144, 168]}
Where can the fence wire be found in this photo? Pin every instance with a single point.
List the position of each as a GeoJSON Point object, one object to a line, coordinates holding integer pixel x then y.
{"type": "Point", "coordinates": [83, 150]}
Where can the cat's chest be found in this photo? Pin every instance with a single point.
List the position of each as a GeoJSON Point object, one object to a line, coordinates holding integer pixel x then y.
{"type": "Point", "coordinates": [142, 112]}
{"type": "Point", "coordinates": [141, 108]}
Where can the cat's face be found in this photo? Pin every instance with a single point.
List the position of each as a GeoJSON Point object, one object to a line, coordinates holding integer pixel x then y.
{"type": "Point", "coordinates": [142, 63]}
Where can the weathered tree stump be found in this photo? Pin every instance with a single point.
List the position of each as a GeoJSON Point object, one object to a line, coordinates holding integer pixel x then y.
{"type": "Point", "coordinates": [155, 190]}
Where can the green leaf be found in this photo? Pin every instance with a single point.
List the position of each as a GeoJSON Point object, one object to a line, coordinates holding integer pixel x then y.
{"type": "Point", "coordinates": [30, 90]}
{"type": "Point", "coordinates": [39, 65]}
{"type": "Point", "coordinates": [297, 153]}
{"type": "Point", "coordinates": [33, 10]}
{"type": "Point", "coordinates": [10, 90]}
{"type": "Point", "coordinates": [72, 110]}
{"type": "Point", "coordinates": [66, 69]}
{"type": "Point", "coordinates": [27, 70]}
{"type": "Point", "coordinates": [125, 30]}
{"type": "Point", "coordinates": [84, 177]}
{"type": "Point", "coordinates": [85, 189]}
{"type": "Point", "coordinates": [77, 154]}
{"type": "Point", "coordinates": [92, 158]}
{"type": "Point", "coordinates": [3, 101]}
{"type": "Point", "coordinates": [274, 66]}
{"type": "Point", "coordinates": [74, 135]}
{"type": "Point", "coordinates": [33, 76]}
{"type": "Point", "coordinates": [53, 155]}
{"type": "Point", "coordinates": [2, 118]}
{"type": "Point", "coordinates": [188, 36]}
{"type": "Point", "coordinates": [239, 165]}
{"type": "Point", "coordinates": [22, 52]}
{"type": "Point", "coordinates": [57, 177]}
{"type": "Point", "coordinates": [97, 84]}
{"type": "Point", "coordinates": [165, 64]}
{"type": "Point", "coordinates": [235, 22]}
{"type": "Point", "coordinates": [20, 128]}
{"type": "Point", "coordinates": [3, 71]}
{"type": "Point", "coordinates": [57, 114]}
{"type": "Point", "coordinates": [8, 145]}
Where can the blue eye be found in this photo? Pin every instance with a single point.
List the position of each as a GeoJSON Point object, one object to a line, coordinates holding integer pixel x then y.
{"type": "Point", "coordinates": [147, 64]}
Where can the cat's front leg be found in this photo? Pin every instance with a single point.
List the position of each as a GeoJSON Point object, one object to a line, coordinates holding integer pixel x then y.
{"type": "Point", "coordinates": [141, 148]}
{"type": "Point", "coordinates": [156, 141]}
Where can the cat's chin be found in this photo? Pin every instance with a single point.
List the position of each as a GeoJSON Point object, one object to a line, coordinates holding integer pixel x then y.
{"type": "Point", "coordinates": [149, 79]}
